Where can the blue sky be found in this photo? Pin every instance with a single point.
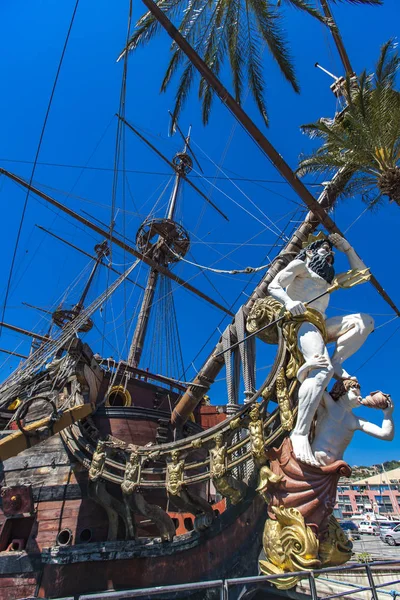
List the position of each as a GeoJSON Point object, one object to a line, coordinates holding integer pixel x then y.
{"type": "Point", "coordinates": [81, 132]}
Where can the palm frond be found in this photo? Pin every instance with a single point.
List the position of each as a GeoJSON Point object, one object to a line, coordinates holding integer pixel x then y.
{"type": "Point", "coordinates": [376, 2]}
{"type": "Point", "coordinates": [364, 139]}
{"type": "Point", "coordinates": [308, 8]}
{"type": "Point", "coordinates": [269, 24]}
{"type": "Point", "coordinates": [254, 66]}
{"type": "Point", "coordinates": [387, 65]}
{"type": "Point", "coordinates": [219, 29]}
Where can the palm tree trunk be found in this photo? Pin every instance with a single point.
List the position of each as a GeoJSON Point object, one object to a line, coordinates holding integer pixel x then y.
{"type": "Point", "coordinates": [214, 364]}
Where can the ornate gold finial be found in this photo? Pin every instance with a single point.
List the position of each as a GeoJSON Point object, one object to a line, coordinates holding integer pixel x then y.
{"type": "Point", "coordinates": [314, 238]}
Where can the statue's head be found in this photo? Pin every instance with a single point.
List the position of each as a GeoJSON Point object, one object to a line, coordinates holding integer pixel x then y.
{"type": "Point", "coordinates": [134, 458]}
{"type": "Point", "coordinates": [319, 257]}
{"type": "Point", "coordinates": [219, 438]}
{"type": "Point", "coordinates": [254, 414]}
{"type": "Point", "coordinates": [175, 455]}
{"type": "Point", "coordinates": [349, 390]}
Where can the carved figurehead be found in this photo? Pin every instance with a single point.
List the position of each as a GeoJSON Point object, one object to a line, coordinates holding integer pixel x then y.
{"type": "Point", "coordinates": [256, 431]}
{"type": "Point", "coordinates": [131, 474]}
{"type": "Point", "coordinates": [98, 461]}
{"type": "Point", "coordinates": [174, 481]}
{"type": "Point", "coordinates": [227, 485]}
{"type": "Point", "coordinates": [307, 276]}
{"type": "Point", "coordinates": [336, 422]}
{"type": "Point", "coordinates": [218, 457]}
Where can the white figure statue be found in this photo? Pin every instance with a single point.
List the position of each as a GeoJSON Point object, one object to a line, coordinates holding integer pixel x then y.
{"type": "Point", "coordinates": [304, 278]}
{"type": "Point", "coordinates": [336, 422]}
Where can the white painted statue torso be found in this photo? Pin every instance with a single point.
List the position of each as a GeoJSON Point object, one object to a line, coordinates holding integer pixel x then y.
{"type": "Point", "coordinates": [307, 285]}
{"type": "Point", "coordinates": [336, 424]}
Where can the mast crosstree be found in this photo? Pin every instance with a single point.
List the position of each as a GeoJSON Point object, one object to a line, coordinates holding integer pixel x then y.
{"type": "Point", "coordinates": [165, 241]}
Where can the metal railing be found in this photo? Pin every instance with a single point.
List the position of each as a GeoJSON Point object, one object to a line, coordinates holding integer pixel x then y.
{"type": "Point", "coordinates": [225, 586]}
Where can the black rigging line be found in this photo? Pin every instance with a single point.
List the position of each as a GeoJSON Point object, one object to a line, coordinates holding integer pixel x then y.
{"type": "Point", "coordinates": [10, 274]}
{"type": "Point", "coordinates": [244, 289]}
{"type": "Point", "coordinates": [160, 173]}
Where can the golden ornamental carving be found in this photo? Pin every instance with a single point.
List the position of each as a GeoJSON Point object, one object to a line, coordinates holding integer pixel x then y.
{"type": "Point", "coordinates": [197, 443]}
{"type": "Point", "coordinates": [314, 238]}
{"type": "Point", "coordinates": [224, 483]}
{"type": "Point", "coordinates": [235, 423]}
{"type": "Point", "coordinates": [131, 474]}
{"type": "Point", "coordinates": [98, 461]}
{"type": "Point", "coordinates": [335, 548]}
{"type": "Point", "coordinates": [290, 329]}
{"type": "Point", "coordinates": [289, 545]}
{"type": "Point", "coordinates": [283, 398]}
{"type": "Point", "coordinates": [174, 482]}
{"type": "Point", "coordinates": [256, 431]}
{"type": "Point", "coordinates": [264, 311]}
{"type": "Point", "coordinates": [266, 480]}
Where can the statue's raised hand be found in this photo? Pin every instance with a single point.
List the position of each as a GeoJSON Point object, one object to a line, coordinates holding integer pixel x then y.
{"type": "Point", "coordinates": [295, 307]}
{"type": "Point", "coordinates": [390, 407]}
{"type": "Point", "coordinates": [339, 242]}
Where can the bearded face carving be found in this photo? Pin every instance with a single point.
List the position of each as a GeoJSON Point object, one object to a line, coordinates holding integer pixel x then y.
{"type": "Point", "coordinates": [320, 259]}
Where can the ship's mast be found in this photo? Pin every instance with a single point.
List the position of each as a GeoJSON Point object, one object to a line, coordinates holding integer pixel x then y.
{"type": "Point", "coordinates": [62, 316]}
{"type": "Point", "coordinates": [169, 235]}
{"type": "Point", "coordinates": [337, 38]}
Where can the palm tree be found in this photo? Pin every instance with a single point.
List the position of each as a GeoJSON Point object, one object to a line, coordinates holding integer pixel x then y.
{"type": "Point", "coordinates": [237, 29]}
{"type": "Point", "coordinates": [363, 141]}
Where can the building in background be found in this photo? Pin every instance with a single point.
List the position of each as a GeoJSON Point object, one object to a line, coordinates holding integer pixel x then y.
{"type": "Point", "coordinates": [379, 494]}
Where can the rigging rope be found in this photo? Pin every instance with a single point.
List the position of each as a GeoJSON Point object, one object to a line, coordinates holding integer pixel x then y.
{"type": "Point", "coordinates": [10, 274]}
{"type": "Point", "coordinates": [36, 360]}
{"type": "Point", "coordinates": [226, 272]}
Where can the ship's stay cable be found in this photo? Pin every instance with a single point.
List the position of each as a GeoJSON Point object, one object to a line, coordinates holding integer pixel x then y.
{"type": "Point", "coordinates": [216, 329]}
{"type": "Point", "coordinates": [210, 282]}
{"type": "Point", "coordinates": [226, 272]}
{"type": "Point", "coordinates": [117, 153]}
{"type": "Point", "coordinates": [60, 299]}
{"type": "Point", "coordinates": [379, 348]}
{"type": "Point", "coordinates": [163, 174]}
{"type": "Point", "coordinates": [48, 349]}
{"type": "Point", "coordinates": [271, 222]}
{"type": "Point", "coordinates": [237, 203]}
{"type": "Point", "coordinates": [50, 102]}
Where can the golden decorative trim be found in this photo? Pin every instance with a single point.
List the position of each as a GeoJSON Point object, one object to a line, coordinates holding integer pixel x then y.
{"type": "Point", "coordinates": [314, 238]}
{"type": "Point", "coordinates": [289, 545]}
{"type": "Point", "coordinates": [282, 395]}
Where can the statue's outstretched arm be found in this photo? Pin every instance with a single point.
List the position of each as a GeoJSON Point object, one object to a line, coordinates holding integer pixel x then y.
{"type": "Point", "coordinates": [386, 432]}
{"type": "Point", "coordinates": [343, 246]}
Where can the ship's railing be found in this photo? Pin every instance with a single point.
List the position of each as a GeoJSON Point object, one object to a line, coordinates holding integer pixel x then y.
{"type": "Point", "coordinates": [195, 471]}
{"type": "Point", "coordinates": [228, 588]}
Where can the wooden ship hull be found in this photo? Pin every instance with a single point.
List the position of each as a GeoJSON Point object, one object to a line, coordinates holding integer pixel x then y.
{"type": "Point", "coordinates": [63, 533]}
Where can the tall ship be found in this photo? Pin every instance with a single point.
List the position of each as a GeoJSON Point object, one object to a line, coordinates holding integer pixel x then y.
{"type": "Point", "coordinates": [120, 469]}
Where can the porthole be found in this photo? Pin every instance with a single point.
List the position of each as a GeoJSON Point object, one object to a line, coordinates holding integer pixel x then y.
{"type": "Point", "coordinates": [188, 522]}
{"type": "Point", "coordinates": [118, 396]}
{"type": "Point", "coordinates": [85, 535]}
{"type": "Point", "coordinates": [64, 538]}
{"type": "Point", "coordinates": [175, 522]}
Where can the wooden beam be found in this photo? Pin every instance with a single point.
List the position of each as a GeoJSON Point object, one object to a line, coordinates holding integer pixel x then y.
{"type": "Point", "coordinates": [42, 338]}
{"type": "Point", "coordinates": [16, 442]}
{"type": "Point", "coordinates": [116, 241]}
{"type": "Point", "coordinates": [13, 353]}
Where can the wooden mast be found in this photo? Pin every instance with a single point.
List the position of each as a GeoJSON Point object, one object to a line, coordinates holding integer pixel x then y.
{"type": "Point", "coordinates": [182, 167]}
